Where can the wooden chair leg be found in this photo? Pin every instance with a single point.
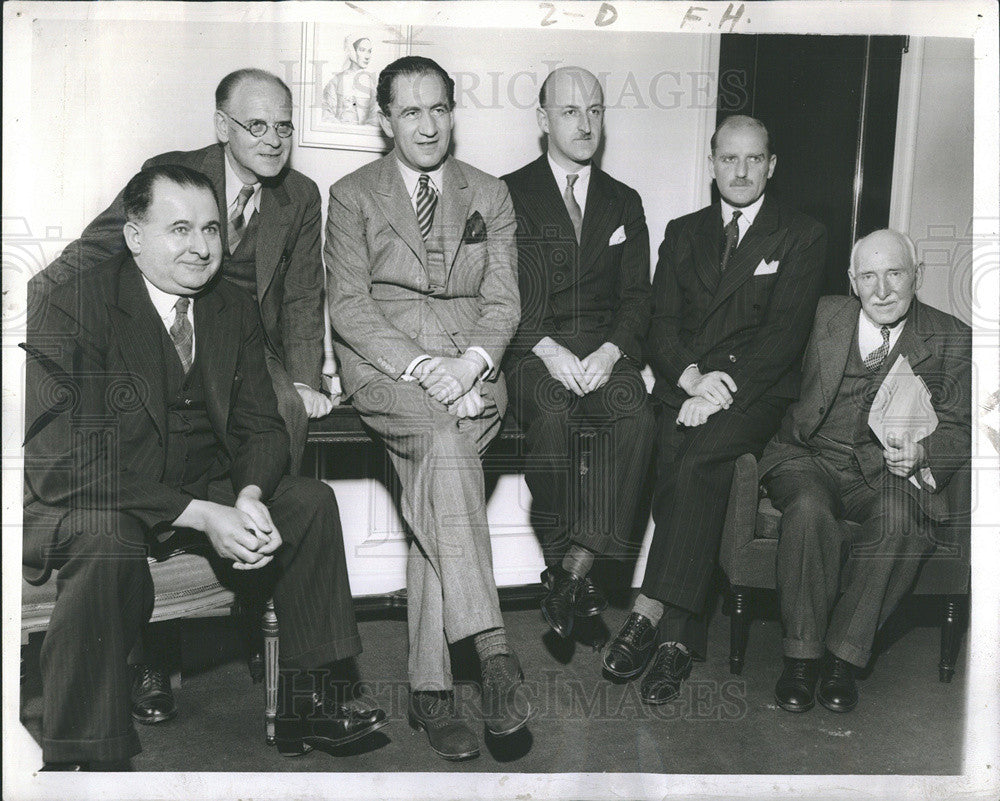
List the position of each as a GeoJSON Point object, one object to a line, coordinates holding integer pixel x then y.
{"type": "Point", "coordinates": [951, 634]}
{"type": "Point", "coordinates": [739, 628]}
{"type": "Point", "coordinates": [269, 628]}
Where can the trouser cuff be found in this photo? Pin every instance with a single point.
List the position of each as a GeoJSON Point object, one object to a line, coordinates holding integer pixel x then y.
{"type": "Point", "coordinates": [321, 655]}
{"type": "Point", "coordinates": [802, 649]}
{"type": "Point", "coordinates": [108, 749]}
{"type": "Point", "coordinates": [849, 653]}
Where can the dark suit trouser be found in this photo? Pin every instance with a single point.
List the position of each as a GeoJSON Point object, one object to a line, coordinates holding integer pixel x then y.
{"type": "Point", "coordinates": [814, 494]}
{"type": "Point", "coordinates": [593, 506]}
{"type": "Point", "coordinates": [105, 595]}
{"type": "Point", "coordinates": [694, 471]}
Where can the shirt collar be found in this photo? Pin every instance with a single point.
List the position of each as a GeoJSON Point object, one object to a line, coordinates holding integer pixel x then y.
{"type": "Point", "coordinates": [747, 213]}
{"type": "Point", "coordinates": [411, 177]}
{"type": "Point", "coordinates": [560, 175]}
{"type": "Point", "coordinates": [234, 184]}
{"type": "Point", "coordinates": [163, 302]}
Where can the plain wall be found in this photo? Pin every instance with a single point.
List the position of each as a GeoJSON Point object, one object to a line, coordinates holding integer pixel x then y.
{"type": "Point", "coordinates": [932, 182]}
{"type": "Point", "coordinates": [107, 95]}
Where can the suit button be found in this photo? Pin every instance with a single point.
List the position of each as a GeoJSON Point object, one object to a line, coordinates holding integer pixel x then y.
{"type": "Point", "coordinates": [732, 358]}
{"type": "Point", "coordinates": [822, 409]}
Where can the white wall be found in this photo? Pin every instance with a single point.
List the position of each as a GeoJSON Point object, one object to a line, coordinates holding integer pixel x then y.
{"type": "Point", "coordinates": [933, 175]}
{"type": "Point", "coordinates": [107, 94]}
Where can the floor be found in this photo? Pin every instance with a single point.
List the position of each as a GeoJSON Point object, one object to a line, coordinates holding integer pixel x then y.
{"type": "Point", "coordinates": [720, 724]}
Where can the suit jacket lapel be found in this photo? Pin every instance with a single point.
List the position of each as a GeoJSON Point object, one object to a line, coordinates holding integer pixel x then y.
{"type": "Point", "coordinates": [137, 330]}
{"type": "Point", "coordinates": [598, 219]}
{"type": "Point", "coordinates": [706, 249]}
{"type": "Point", "coordinates": [548, 209]}
{"type": "Point", "coordinates": [213, 165]}
{"type": "Point", "coordinates": [276, 213]}
{"type": "Point", "coordinates": [755, 245]}
{"type": "Point", "coordinates": [390, 194]}
{"type": "Point", "coordinates": [913, 338]}
{"type": "Point", "coordinates": [215, 334]}
{"type": "Point", "coordinates": [835, 347]}
{"type": "Point", "coordinates": [454, 203]}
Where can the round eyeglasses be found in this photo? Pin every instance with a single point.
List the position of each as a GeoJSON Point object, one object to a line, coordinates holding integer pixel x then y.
{"type": "Point", "coordinates": [257, 128]}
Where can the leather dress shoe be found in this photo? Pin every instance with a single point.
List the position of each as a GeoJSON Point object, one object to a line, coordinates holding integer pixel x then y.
{"type": "Point", "coordinates": [327, 725]}
{"type": "Point", "coordinates": [670, 667]}
{"type": "Point", "coordinates": [109, 766]}
{"type": "Point", "coordinates": [152, 699]}
{"type": "Point", "coordinates": [506, 707]}
{"type": "Point", "coordinates": [559, 605]}
{"type": "Point", "coordinates": [590, 601]}
{"type": "Point", "coordinates": [795, 690]}
{"type": "Point", "coordinates": [632, 647]}
{"type": "Point", "coordinates": [838, 690]}
{"type": "Point", "coordinates": [449, 737]}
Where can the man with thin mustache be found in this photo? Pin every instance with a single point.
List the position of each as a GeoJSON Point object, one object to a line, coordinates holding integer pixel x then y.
{"type": "Point", "coordinates": [734, 294]}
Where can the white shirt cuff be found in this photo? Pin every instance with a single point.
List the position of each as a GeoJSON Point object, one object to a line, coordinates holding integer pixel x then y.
{"type": "Point", "coordinates": [486, 358]}
{"type": "Point", "coordinates": [408, 372]}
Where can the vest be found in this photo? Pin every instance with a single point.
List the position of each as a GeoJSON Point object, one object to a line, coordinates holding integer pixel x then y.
{"type": "Point", "coordinates": [846, 426]}
{"type": "Point", "coordinates": [192, 447]}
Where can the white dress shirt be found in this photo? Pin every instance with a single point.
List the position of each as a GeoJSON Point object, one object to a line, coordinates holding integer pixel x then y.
{"type": "Point", "coordinates": [579, 188]}
{"type": "Point", "coordinates": [233, 186]}
{"type": "Point", "coordinates": [164, 303]}
{"type": "Point", "coordinates": [870, 334]}
{"type": "Point", "coordinates": [747, 216]}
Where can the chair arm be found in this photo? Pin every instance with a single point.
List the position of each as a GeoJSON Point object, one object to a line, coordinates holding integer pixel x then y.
{"type": "Point", "coordinates": [741, 513]}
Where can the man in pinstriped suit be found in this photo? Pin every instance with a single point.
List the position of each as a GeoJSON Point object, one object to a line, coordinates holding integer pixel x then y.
{"type": "Point", "coordinates": [734, 295]}
{"type": "Point", "coordinates": [150, 413]}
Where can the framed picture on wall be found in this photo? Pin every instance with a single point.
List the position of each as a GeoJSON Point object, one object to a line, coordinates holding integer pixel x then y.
{"type": "Point", "coordinates": [340, 67]}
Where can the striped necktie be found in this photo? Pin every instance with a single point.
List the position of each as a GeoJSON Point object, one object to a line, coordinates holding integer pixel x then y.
{"type": "Point", "coordinates": [874, 359]}
{"type": "Point", "coordinates": [182, 333]}
{"type": "Point", "coordinates": [426, 203]}
{"type": "Point", "coordinates": [236, 222]}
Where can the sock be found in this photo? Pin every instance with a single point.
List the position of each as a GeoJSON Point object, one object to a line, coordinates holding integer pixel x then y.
{"type": "Point", "coordinates": [578, 561]}
{"type": "Point", "coordinates": [648, 607]}
{"type": "Point", "coordinates": [491, 643]}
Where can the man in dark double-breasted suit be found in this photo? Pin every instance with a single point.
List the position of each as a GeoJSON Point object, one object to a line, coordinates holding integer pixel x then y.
{"type": "Point", "coordinates": [150, 416]}
{"type": "Point", "coordinates": [573, 366]}
{"type": "Point", "coordinates": [734, 294]}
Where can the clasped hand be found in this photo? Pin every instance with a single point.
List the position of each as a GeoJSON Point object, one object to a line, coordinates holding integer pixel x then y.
{"type": "Point", "coordinates": [579, 376]}
{"type": "Point", "coordinates": [695, 411]}
{"type": "Point", "coordinates": [716, 386]}
{"type": "Point", "coordinates": [243, 532]}
{"type": "Point", "coordinates": [448, 378]}
{"type": "Point", "coordinates": [902, 455]}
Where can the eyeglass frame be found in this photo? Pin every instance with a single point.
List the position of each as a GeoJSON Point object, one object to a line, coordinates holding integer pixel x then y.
{"type": "Point", "coordinates": [267, 126]}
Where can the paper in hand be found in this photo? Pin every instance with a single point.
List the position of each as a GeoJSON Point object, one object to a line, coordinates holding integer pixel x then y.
{"type": "Point", "coordinates": [902, 408]}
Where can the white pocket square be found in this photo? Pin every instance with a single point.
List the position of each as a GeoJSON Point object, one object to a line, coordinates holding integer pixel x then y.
{"type": "Point", "coordinates": [618, 236]}
{"type": "Point", "coordinates": [766, 268]}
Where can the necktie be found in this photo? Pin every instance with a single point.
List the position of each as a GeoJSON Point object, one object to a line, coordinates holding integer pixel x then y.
{"type": "Point", "coordinates": [236, 224]}
{"type": "Point", "coordinates": [426, 203]}
{"type": "Point", "coordinates": [575, 214]}
{"type": "Point", "coordinates": [732, 232]}
{"type": "Point", "coordinates": [182, 333]}
{"type": "Point", "coordinates": [874, 359]}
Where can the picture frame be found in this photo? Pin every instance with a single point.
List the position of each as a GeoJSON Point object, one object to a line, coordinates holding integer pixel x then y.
{"type": "Point", "coordinates": [339, 66]}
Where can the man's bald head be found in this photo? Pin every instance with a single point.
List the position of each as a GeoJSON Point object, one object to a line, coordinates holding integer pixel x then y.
{"type": "Point", "coordinates": [741, 122]}
{"type": "Point", "coordinates": [571, 113]}
{"type": "Point", "coordinates": [885, 275]}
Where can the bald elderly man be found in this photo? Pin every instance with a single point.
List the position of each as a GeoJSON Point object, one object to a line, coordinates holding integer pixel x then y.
{"type": "Point", "coordinates": [573, 366]}
{"type": "Point", "coordinates": [825, 465]}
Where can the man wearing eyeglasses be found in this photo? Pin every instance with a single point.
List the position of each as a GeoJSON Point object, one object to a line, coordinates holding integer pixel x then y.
{"type": "Point", "coordinates": [271, 249]}
{"type": "Point", "coordinates": [573, 367]}
{"type": "Point", "coordinates": [734, 294]}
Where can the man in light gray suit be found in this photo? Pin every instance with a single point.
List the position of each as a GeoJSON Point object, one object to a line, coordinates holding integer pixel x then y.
{"type": "Point", "coordinates": [420, 256]}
